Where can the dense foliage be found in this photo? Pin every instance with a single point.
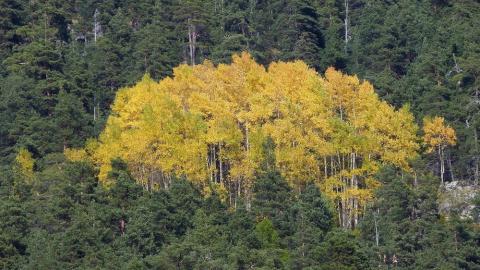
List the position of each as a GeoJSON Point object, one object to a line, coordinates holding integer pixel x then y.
{"type": "Point", "coordinates": [241, 165]}
{"type": "Point", "coordinates": [62, 218]}
{"type": "Point", "coordinates": [62, 61]}
{"type": "Point", "coordinates": [210, 124]}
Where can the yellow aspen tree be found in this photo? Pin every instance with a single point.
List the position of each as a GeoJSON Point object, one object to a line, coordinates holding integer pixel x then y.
{"type": "Point", "coordinates": [437, 137]}
{"type": "Point", "coordinates": [23, 165]}
{"type": "Point", "coordinates": [367, 133]}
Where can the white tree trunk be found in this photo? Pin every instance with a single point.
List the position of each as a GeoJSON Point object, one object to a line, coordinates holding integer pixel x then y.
{"type": "Point", "coordinates": [192, 41]}
{"type": "Point", "coordinates": [346, 25]}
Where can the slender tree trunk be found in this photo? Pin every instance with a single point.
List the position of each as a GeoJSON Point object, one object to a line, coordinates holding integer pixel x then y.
{"type": "Point", "coordinates": [477, 169]}
{"type": "Point", "coordinates": [345, 214]}
{"type": "Point", "coordinates": [377, 237]}
{"type": "Point", "coordinates": [442, 164]}
{"type": "Point", "coordinates": [355, 186]}
{"type": "Point", "coordinates": [230, 193]}
{"type": "Point", "coordinates": [246, 137]}
{"type": "Point", "coordinates": [339, 207]}
{"type": "Point", "coordinates": [248, 197]}
{"type": "Point", "coordinates": [209, 163]}
{"type": "Point", "coordinates": [415, 179]}
{"type": "Point", "coordinates": [95, 26]}
{"type": "Point", "coordinates": [325, 166]}
{"type": "Point", "coordinates": [456, 240]}
{"type": "Point", "coordinates": [214, 164]}
{"type": "Point", "coordinates": [346, 25]}
{"type": "Point", "coordinates": [192, 40]}
{"type": "Point", "coordinates": [45, 27]}
{"type": "Point", "coordinates": [332, 166]}
{"type": "Point", "coordinates": [450, 168]}
{"type": "Point", "coordinates": [220, 169]}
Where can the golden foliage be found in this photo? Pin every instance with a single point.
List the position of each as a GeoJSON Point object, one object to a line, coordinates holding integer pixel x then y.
{"type": "Point", "coordinates": [24, 164]}
{"type": "Point", "coordinates": [210, 124]}
{"type": "Point", "coordinates": [437, 134]}
{"type": "Point", "coordinates": [74, 154]}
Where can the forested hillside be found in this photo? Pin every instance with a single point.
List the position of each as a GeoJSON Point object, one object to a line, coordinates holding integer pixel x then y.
{"type": "Point", "coordinates": [212, 134]}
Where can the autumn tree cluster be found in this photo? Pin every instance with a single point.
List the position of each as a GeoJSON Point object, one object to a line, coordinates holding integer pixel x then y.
{"type": "Point", "coordinates": [219, 126]}
{"type": "Point", "coordinates": [63, 61]}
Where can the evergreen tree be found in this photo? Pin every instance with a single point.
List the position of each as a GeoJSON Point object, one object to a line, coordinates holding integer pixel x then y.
{"type": "Point", "coordinates": [272, 199]}
{"type": "Point", "coordinates": [299, 35]}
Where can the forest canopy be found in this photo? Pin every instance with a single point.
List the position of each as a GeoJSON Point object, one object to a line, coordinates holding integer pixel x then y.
{"type": "Point", "coordinates": [346, 138]}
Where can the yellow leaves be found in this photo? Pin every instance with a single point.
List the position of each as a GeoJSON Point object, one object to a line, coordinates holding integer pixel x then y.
{"type": "Point", "coordinates": [82, 154]}
{"type": "Point", "coordinates": [25, 161]}
{"type": "Point", "coordinates": [437, 134]}
{"type": "Point", "coordinates": [210, 124]}
{"type": "Point", "coordinates": [74, 154]}
{"type": "Point", "coordinates": [370, 126]}
{"type": "Point", "coordinates": [24, 164]}
{"type": "Point", "coordinates": [130, 102]}
{"type": "Point", "coordinates": [397, 135]}
{"type": "Point", "coordinates": [343, 90]}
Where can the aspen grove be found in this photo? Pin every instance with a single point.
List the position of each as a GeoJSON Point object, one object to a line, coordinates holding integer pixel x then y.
{"type": "Point", "coordinates": [212, 124]}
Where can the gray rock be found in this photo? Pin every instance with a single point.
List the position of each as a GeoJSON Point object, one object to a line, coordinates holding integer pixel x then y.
{"type": "Point", "coordinates": [457, 198]}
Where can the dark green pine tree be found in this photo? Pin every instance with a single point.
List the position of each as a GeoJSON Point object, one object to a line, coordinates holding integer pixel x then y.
{"type": "Point", "coordinates": [232, 31]}
{"type": "Point", "coordinates": [157, 48]}
{"type": "Point", "coordinates": [332, 26]}
{"type": "Point", "coordinates": [313, 218]}
{"type": "Point", "coordinates": [14, 227]}
{"type": "Point", "coordinates": [71, 120]}
{"type": "Point", "coordinates": [16, 109]}
{"type": "Point", "coordinates": [42, 62]}
{"type": "Point", "coordinates": [192, 18]}
{"type": "Point", "coordinates": [298, 32]}
{"type": "Point", "coordinates": [42, 65]}
{"type": "Point", "coordinates": [40, 59]}
{"type": "Point", "coordinates": [272, 199]}
{"type": "Point", "coordinates": [203, 247]}
{"type": "Point", "coordinates": [341, 250]}
{"type": "Point", "coordinates": [12, 16]}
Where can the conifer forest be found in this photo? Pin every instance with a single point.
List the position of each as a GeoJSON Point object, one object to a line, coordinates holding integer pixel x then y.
{"type": "Point", "coordinates": [240, 134]}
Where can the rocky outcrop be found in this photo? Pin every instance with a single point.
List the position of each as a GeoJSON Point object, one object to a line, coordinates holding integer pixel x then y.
{"type": "Point", "coordinates": [458, 198]}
